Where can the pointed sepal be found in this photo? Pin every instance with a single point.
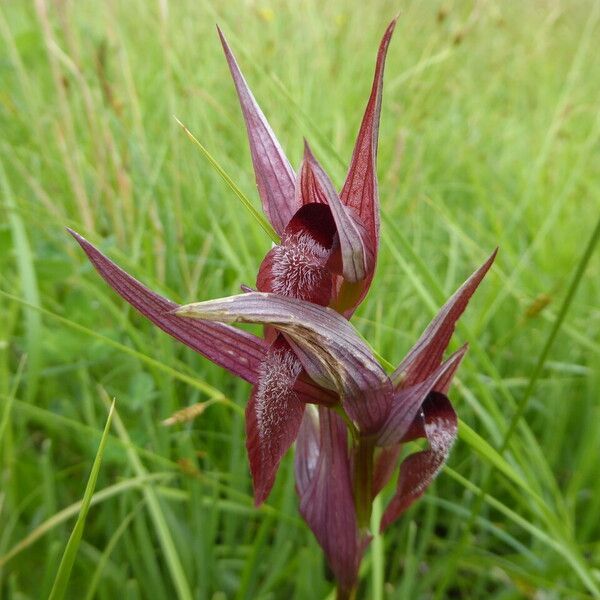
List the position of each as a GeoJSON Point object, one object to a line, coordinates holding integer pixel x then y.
{"type": "Point", "coordinates": [360, 188]}
{"type": "Point", "coordinates": [233, 349]}
{"type": "Point", "coordinates": [275, 177]}
{"type": "Point", "coordinates": [426, 355]}
{"type": "Point", "coordinates": [407, 402]}
{"type": "Point", "coordinates": [315, 186]}
{"type": "Point", "coordinates": [324, 487]}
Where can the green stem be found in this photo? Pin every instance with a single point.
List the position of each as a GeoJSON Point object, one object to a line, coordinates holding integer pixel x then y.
{"type": "Point", "coordinates": [363, 481]}
{"type": "Point", "coordinates": [339, 409]}
{"type": "Point", "coordinates": [560, 317]}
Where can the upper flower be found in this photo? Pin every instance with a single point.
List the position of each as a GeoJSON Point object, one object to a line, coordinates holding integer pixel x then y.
{"type": "Point", "coordinates": [329, 241]}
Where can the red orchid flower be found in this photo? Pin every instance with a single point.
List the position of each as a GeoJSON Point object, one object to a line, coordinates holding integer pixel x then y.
{"type": "Point", "coordinates": [326, 256]}
{"type": "Point", "coordinates": [329, 242]}
{"type": "Point", "coordinates": [329, 365]}
{"type": "Point", "coordinates": [384, 410]}
{"type": "Point", "coordinates": [309, 285]}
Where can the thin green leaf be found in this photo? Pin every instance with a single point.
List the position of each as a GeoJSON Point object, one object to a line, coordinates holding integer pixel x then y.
{"type": "Point", "coordinates": [70, 511]}
{"type": "Point", "coordinates": [156, 513]}
{"type": "Point", "coordinates": [29, 286]}
{"type": "Point", "coordinates": [68, 560]}
{"type": "Point", "coordinates": [261, 220]}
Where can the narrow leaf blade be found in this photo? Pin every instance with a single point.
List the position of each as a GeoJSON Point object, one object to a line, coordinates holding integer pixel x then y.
{"type": "Point", "coordinates": [63, 574]}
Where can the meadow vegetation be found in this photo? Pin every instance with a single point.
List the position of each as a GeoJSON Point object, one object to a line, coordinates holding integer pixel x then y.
{"type": "Point", "coordinates": [490, 136]}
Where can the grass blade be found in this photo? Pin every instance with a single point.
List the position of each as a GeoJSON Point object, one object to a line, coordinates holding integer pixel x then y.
{"type": "Point", "coordinates": [562, 313]}
{"type": "Point", "coordinates": [158, 518]}
{"type": "Point", "coordinates": [266, 226]}
{"type": "Point", "coordinates": [66, 564]}
{"type": "Point", "coordinates": [29, 285]}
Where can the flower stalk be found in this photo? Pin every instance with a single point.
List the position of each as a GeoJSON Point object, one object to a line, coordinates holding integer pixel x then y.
{"type": "Point", "coordinates": [364, 454]}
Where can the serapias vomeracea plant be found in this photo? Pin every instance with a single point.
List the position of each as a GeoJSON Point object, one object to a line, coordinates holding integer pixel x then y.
{"type": "Point", "coordinates": [314, 380]}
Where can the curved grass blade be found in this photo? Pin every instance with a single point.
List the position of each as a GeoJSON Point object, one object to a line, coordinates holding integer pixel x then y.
{"type": "Point", "coordinates": [29, 285]}
{"type": "Point", "coordinates": [68, 560]}
{"type": "Point", "coordinates": [114, 539]}
{"type": "Point", "coordinates": [266, 226]}
{"type": "Point", "coordinates": [70, 511]}
{"type": "Point", "coordinates": [156, 513]}
{"type": "Point", "coordinates": [577, 277]}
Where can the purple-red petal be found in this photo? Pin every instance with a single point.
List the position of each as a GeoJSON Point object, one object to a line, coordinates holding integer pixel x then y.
{"type": "Point", "coordinates": [324, 486]}
{"type": "Point", "coordinates": [327, 345]}
{"type": "Point", "coordinates": [233, 349]}
{"type": "Point", "coordinates": [275, 177]}
{"type": "Point", "coordinates": [360, 188]}
{"type": "Point", "coordinates": [315, 186]}
{"type": "Point", "coordinates": [420, 469]}
{"type": "Point", "coordinates": [426, 355]}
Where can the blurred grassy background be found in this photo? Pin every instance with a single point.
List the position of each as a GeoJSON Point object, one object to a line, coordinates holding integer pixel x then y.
{"type": "Point", "coordinates": [490, 136]}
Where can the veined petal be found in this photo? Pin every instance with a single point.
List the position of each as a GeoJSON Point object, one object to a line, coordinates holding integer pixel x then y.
{"type": "Point", "coordinates": [274, 175]}
{"type": "Point", "coordinates": [307, 452]}
{"type": "Point", "coordinates": [420, 469]}
{"type": "Point", "coordinates": [329, 347]}
{"type": "Point", "coordinates": [426, 354]}
{"type": "Point", "coordinates": [237, 351]}
{"type": "Point", "coordinates": [407, 403]}
{"type": "Point", "coordinates": [384, 466]}
{"type": "Point", "coordinates": [325, 490]}
{"type": "Point", "coordinates": [273, 416]}
{"type": "Point", "coordinates": [316, 186]}
{"type": "Point", "coordinates": [360, 189]}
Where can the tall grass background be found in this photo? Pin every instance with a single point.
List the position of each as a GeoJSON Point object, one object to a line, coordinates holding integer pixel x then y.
{"type": "Point", "coordinates": [490, 136]}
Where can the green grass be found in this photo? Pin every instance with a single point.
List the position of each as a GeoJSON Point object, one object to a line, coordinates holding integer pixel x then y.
{"type": "Point", "coordinates": [490, 136]}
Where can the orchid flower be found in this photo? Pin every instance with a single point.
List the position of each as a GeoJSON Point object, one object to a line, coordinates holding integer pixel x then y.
{"type": "Point", "coordinates": [329, 241]}
{"type": "Point", "coordinates": [315, 381]}
{"type": "Point", "coordinates": [337, 487]}
{"type": "Point", "coordinates": [330, 366]}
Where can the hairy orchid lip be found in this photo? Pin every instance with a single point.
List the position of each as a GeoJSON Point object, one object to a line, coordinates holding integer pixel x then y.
{"type": "Point", "coordinates": [273, 416]}
{"type": "Point", "coordinates": [297, 268]}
